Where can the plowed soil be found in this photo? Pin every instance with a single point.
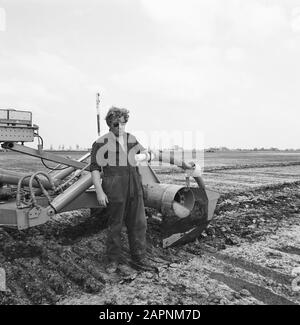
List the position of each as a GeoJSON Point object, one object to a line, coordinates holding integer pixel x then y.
{"type": "Point", "coordinates": [247, 255]}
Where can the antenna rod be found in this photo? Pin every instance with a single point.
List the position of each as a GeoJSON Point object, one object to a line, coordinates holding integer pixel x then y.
{"type": "Point", "coordinates": [98, 112]}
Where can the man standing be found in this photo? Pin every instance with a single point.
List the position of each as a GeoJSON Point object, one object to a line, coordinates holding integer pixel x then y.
{"type": "Point", "coordinates": [121, 191]}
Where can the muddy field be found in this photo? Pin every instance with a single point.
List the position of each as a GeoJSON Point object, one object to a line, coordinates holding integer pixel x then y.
{"type": "Point", "coordinates": [247, 255]}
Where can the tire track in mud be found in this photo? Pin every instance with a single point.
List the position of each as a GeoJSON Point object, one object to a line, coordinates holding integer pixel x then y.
{"type": "Point", "coordinates": [260, 274]}
{"type": "Point", "coordinates": [258, 292]}
{"type": "Point", "coordinates": [253, 268]}
{"type": "Point", "coordinates": [288, 249]}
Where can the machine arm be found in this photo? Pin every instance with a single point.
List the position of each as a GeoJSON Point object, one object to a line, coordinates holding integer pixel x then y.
{"type": "Point", "coordinates": [42, 154]}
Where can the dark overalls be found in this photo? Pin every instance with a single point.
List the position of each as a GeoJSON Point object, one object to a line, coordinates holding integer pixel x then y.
{"type": "Point", "coordinates": [121, 182]}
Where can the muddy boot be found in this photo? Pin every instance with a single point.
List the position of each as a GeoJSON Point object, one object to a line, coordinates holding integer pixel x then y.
{"type": "Point", "coordinates": [112, 267]}
{"type": "Point", "coordinates": [142, 264]}
{"type": "Point", "coordinates": [126, 270]}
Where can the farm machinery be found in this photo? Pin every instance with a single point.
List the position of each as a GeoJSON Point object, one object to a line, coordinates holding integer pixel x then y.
{"type": "Point", "coordinates": [31, 199]}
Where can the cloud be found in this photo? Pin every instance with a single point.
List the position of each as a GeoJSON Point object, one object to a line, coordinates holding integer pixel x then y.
{"type": "Point", "coordinates": [188, 20]}
{"type": "Point", "coordinates": [257, 21]}
{"type": "Point", "coordinates": [39, 78]}
{"type": "Point", "coordinates": [25, 89]}
{"type": "Point", "coordinates": [52, 88]}
{"type": "Point", "coordinates": [235, 54]}
{"type": "Point", "coordinates": [206, 20]}
{"type": "Point", "coordinates": [50, 67]}
{"type": "Point", "coordinates": [213, 48]}
{"type": "Point", "coordinates": [186, 75]}
{"type": "Point", "coordinates": [2, 19]}
{"type": "Point", "coordinates": [295, 21]}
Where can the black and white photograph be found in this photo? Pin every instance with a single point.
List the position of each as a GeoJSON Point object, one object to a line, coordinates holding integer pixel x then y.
{"type": "Point", "coordinates": [149, 155]}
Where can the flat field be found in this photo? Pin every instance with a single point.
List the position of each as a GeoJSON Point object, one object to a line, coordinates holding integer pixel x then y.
{"type": "Point", "coordinates": [247, 255]}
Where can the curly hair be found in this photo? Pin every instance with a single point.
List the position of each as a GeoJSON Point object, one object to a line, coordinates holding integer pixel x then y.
{"type": "Point", "coordinates": [115, 113]}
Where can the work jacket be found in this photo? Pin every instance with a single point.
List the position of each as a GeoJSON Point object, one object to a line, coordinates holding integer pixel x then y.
{"type": "Point", "coordinates": [119, 172]}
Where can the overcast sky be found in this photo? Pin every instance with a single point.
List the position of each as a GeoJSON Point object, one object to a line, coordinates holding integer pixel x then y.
{"type": "Point", "coordinates": [227, 68]}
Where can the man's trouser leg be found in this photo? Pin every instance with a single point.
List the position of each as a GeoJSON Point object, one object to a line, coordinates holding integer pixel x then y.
{"type": "Point", "coordinates": [136, 224]}
{"type": "Point", "coordinates": [116, 212]}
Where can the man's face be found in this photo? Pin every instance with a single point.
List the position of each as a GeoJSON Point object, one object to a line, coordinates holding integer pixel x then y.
{"type": "Point", "coordinates": [118, 126]}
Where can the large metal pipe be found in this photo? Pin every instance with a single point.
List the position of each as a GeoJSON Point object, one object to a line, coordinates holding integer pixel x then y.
{"type": "Point", "coordinates": [169, 199]}
{"type": "Point", "coordinates": [72, 192]}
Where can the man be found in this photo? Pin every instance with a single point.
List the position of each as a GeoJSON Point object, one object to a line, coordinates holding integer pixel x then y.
{"type": "Point", "coordinates": [121, 190]}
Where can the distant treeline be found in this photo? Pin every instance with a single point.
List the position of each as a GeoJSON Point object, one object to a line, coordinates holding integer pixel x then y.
{"type": "Point", "coordinates": [224, 149]}
{"type": "Point", "coordinates": [254, 149]}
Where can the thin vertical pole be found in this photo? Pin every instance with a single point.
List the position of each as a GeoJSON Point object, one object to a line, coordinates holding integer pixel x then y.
{"type": "Point", "coordinates": [98, 113]}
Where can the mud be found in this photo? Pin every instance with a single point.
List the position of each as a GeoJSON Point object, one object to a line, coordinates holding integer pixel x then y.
{"type": "Point", "coordinates": [245, 256]}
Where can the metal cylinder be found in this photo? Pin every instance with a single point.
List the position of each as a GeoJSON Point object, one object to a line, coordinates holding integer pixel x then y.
{"type": "Point", "coordinates": [72, 192]}
{"type": "Point", "coordinates": [169, 199]}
